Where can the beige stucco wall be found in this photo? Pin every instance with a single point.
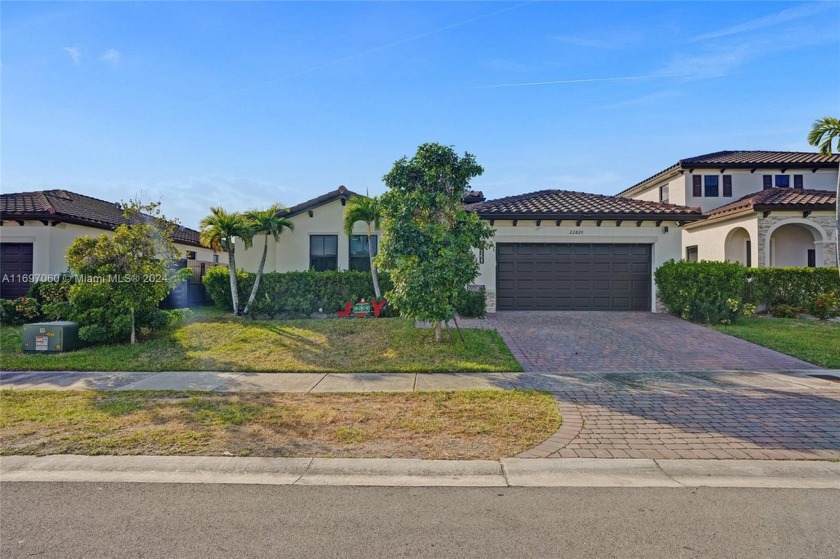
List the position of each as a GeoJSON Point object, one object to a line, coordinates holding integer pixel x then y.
{"type": "Point", "coordinates": [665, 245]}
{"type": "Point", "coordinates": [50, 243]}
{"type": "Point", "coordinates": [743, 183]}
{"type": "Point", "coordinates": [676, 191]}
{"type": "Point", "coordinates": [711, 239]}
{"type": "Point", "coordinates": [292, 251]}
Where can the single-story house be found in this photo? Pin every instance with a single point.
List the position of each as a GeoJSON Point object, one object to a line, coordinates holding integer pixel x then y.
{"type": "Point", "coordinates": [760, 208]}
{"type": "Point", "coordinates": [36, 228]}
{"type": "Point", "coordinates": [553, 249]}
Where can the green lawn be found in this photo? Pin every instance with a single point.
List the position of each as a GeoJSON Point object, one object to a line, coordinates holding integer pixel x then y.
{"type": "Point", "coordinates": [486, 424]}
{"type": "Point", "coordinates": [214, 341]}
{"type": "Point", "coordinates": [809, 340]}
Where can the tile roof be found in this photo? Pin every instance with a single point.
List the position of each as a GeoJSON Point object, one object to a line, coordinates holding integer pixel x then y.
{"type": "Point", "coordinates": [780, 198]}
{"type": "Point", "coordinates": [566, 204]}
{"type": "Point", "coordinates": [70, 207]}
{"type": "Point", "coordinates": [744, 159]}
{"type": "Point", "coordinates": [340, 192]}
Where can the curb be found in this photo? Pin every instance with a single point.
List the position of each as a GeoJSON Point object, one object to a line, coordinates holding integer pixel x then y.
{"type": "Point", "coordinates": [508, 472]}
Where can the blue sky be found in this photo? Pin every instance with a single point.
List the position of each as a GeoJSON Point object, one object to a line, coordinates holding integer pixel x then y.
{"type": "Point", "coordinates": [243, 104]}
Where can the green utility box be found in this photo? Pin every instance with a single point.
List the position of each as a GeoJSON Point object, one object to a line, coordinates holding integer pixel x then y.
{"type": "Point", "coordinates": [51, 337]}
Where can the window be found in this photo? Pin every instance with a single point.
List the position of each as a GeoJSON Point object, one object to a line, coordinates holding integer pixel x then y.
{"type": "Point", "coordinates": [190, 255]}
{"type": "Point", "coordinates": [697, 186]}
{"type": "Point", "coordinates": [663, 193]}
{"type": "Point", "coordinates": [710, 186]}
{"type": "Point", "coordinates": [767, 181]}
{"type": "Point", "coordinates": [727, 186]}
{"type": "Point", "coordinates": [359, 255]}
{"type": "Point", "coordinates": [782, 181]}
{"type": "Point", "coordinates": [812, 258]}
{"type": "Point", "coordinates": [748, 250]}
{"type": "Point", "coordinates": [323, 252]}
{"type": "Point", "coordinates": [691, 254]}
{"type": "Point", "coordinates": [215, 259]}
{"type": "Point", "coordinates": [797, 181]}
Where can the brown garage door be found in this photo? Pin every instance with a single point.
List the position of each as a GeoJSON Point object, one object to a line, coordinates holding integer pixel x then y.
{"type": "Point", "coordinates": [15, 269]}
{"type": "Point", "coordinates": [603, 277]}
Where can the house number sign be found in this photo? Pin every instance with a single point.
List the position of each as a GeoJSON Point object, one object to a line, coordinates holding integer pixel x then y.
{"type": "Point", "coordinates": [575, 231]}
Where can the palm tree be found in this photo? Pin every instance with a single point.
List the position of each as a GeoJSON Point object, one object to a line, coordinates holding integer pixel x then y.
{"type": "Point", "coordinates": [365, 208]}
{"type": "Point", "coordinates": [823, 134]}
{"type": "Point", "coordinates": [217, 232]}
{"type": "Point", "coordinates": [268, 222]}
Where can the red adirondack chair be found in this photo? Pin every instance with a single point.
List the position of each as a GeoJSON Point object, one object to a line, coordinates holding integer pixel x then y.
{"type": "Point", "coordinates": [378, 306]}
{"type": "Point", "coordinates": [348, 308]}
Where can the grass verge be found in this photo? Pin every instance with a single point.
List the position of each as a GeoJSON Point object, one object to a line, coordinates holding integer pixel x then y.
{"type": "Point", "coordinates": [809, 340]}
{"type": "Point", "coordinates": [445, 425]}
{"type": "Point", "coordinates": [212, 341]}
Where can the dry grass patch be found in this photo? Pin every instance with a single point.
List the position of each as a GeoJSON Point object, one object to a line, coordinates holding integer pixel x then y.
{"type": "Point", "coordinates": [449, 425]}
{"type": "Point", "coordinates": [212, 341]}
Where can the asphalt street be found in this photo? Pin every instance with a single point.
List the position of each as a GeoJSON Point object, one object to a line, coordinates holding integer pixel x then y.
{"type": "Point", "coordinates": [215, 520]}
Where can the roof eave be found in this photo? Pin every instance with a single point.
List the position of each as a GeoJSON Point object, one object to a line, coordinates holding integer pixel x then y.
{"type": "Point", "coordinates": [591, 216]}
{"type": "Point", "coordinates": [58, 218]}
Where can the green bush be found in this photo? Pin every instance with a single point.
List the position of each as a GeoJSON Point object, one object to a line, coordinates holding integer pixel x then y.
{"type": "Point", "coordinates": [790, 286]}
{"type": "Point", "coordinates": [784, 311]}
{"type": "Point", "coordinates": [824, 305]}
{"type": "Point", "coordinates": [471, 304]}
{"type": "Point", "coordinates": [294, 293]}
{"type": "Point", "coordinates": [18, 311]}
{"type": "Point", "coordinates": [54, 291]}
{"type": "Point", "coordinates": [709, 292]}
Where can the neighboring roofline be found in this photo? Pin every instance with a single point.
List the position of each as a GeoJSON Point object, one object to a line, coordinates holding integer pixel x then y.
{"type": "Point", "coordinates": [688, 164]}
{"type": "Point", "coordinates": [590, 216]}
{"type": "Point", "coordinates": [60, 218]}
{"type": "Point", "coordinates": [752, 210]}
{"type": "Point", "coordinates": [339, 193]}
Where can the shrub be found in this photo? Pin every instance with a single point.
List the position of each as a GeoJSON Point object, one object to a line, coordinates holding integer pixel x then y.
{"type": "Point", "coordinates": [824, 305]}
{"type": "Point", "coordinates": [790, 286]}
{"type": "Point", "coordinates": [18, 311]}
{"type": "Point", "coordinates": [295, 293]}
{"type": "Point", "coordinates": [471, 304]}
{"type": "Point", "coordinates": [710, 292]}
{"type": "Point", "coordinates": [784, 311]}
{"type": "Point", "coordinates": [54, 291]}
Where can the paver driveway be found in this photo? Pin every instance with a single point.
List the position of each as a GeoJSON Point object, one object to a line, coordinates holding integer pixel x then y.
{"type": "Point", "coordinates": [564, 341]}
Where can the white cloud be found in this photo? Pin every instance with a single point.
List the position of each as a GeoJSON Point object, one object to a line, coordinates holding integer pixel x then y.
{"type": "Point", "coordinates": [784, 16]}
{"type": "Point", "coordinates": [112, 57]}
{"type": "Point", "coordinates": [74, 53]}
{"type": "Point", "coordinates": [605, 39]}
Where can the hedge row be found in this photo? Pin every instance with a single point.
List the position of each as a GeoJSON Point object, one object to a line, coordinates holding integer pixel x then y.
{"type": "Point", "coordinates": [305, 293]}
{"type": "Point", "coordinates": [294, 293]}
{"type": "Point", "coordinates": [714, 292]}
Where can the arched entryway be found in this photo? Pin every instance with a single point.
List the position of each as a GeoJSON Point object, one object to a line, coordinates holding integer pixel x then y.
{"type": "Point", "coordinates": [796, 244]}
{"type": "Point", "coordinates": [738, 247]}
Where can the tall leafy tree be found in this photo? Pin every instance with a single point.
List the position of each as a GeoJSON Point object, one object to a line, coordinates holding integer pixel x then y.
{"type": "Point", "coordinates": [366, 209]}
{"type": "Point", "coordinates": [824, 133]}
{"type": "Point", "coordinates": [218, 231]}
{"type": "Point", "coordinates": [123, 277]}
{"type": "Point", "coordinates": [270, 223]}
{"type": "Point", "coordinates": [428, 237]}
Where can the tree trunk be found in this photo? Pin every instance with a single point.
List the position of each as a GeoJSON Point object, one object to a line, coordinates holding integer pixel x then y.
{"type": "Point", "coordinates": [133, 330]}
{"type": "Point", "coordinates": [438, 332]}
{"type": "Point", "coordinates": [234, 289]}
{"type": "Point", "coordinates": [373, 272]}
{"type": "Point", "coordinates": [257, 279]}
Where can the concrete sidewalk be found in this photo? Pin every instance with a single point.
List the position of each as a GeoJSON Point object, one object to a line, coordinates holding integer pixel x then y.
{"type": "Point", "coordinates": [510, 472]}
{"type": "Point", "coordinates": [796, 380]}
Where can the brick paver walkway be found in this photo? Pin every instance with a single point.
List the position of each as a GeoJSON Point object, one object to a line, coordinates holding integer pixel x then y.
{"type": "Point", "coordinates": [711, 424]}
{"type": "Point", "coordinates": [626, 341]}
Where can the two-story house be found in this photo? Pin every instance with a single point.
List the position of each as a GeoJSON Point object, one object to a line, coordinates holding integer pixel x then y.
{"type": "Point", "coordinates": [761, 208]}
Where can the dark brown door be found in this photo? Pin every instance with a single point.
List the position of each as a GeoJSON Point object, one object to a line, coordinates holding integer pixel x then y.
{"type": "Point", "coordinates": [15, 269]}
{"type": "Point", "coordinates": [551, 276]}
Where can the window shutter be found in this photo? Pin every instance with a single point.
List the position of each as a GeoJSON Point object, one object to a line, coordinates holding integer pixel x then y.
{"type": "Point", "coordinates": [697, 186]}
{"type": "Point", "coordinates": [727, 185]}
{"type": "Point", "coordinates": [797, 181]}
{"type": "Point", "coordinates": [768, 181]}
